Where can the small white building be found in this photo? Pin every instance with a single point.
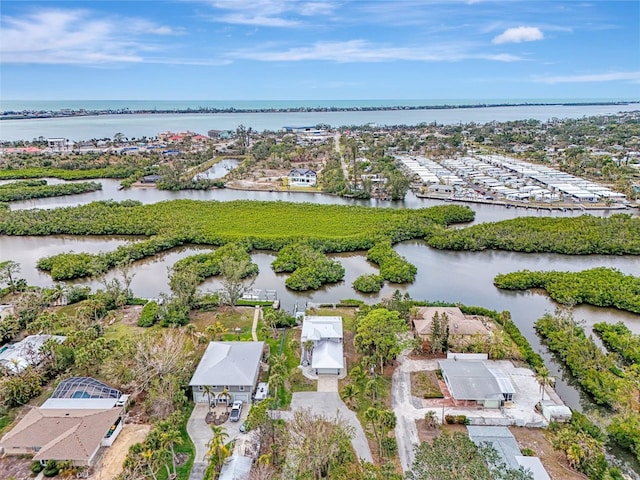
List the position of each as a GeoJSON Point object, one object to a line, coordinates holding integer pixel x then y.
{"type": "Point", "coordinates": [327, 357]}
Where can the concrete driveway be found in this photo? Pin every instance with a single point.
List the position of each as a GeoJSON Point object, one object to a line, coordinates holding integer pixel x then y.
{"type": "Point", "coordinates": [201, 435]}
{"type": "Point", "coordinates": [329, 404]}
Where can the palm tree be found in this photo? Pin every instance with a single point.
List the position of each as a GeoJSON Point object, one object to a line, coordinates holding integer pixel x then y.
{"type": "Point", "coordinates": [350, 395]}
{"type": "Point", "coordinates": [218, 448]}
{"type": "Point", "coordinates": [227, 397]}
{"type": "Point", "coordinates": [543, 377]}
{"type": "Point", "coordinates": [208, 392]}
{"type": "Point", "coordinates": [371, 389]}
{"type": "Point", "coordinates": [308, 349]}
{"type": "Point", "coordinates": [430, 419]}
{"type": "Point", "coordinates": [168, 439]}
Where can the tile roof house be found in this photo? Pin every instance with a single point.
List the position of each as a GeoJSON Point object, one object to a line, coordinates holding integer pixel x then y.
{"type": "Point", "coordinates": [63, 434]}
{"type": "Point", "coordinates": [461, 327]}
{"type": "Point", "coordinates": [325, 333]}
{"type": "Point", "coordinates": [81, 416]}
{"type": "Point", "coordinates": [227, 366]}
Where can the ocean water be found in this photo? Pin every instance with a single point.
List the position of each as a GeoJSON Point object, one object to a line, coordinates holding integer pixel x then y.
{"type": "Point", "coordinates": [78, 128]}
{"type": "Point", "coordinates": [164, 105]}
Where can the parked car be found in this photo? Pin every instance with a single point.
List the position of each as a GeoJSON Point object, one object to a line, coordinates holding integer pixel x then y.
{"type": "Point", "coordinates": [236, 410]}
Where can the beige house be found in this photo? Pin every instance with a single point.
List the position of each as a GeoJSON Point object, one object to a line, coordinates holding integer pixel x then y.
{"type": "Point", "coordinates": [81, 416]}
{"type": "Point", "coordinates": [62, 434]}
{"type": "Point", "coordinates": [461, 327]}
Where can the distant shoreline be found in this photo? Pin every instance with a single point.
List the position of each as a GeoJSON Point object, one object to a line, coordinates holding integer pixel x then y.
{"type": "Point", "coordinates": [34, 114]}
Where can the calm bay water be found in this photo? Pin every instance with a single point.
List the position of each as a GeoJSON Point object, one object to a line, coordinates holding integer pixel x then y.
{"type": "Point", "coordinates": [149, 125]}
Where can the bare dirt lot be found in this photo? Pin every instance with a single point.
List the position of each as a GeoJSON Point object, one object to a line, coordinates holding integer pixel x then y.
{"type": "Point", "coordinates": [537, 439]}
{"type": "Point", "coordinates": [15, 467]}
{"type": "Point", "coordinates": [111, 464]}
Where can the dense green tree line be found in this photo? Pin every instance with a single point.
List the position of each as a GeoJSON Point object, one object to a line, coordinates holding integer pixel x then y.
{"type": "Point", "coordinates": [615, 235]}
{"type": "Point", "coordinates": [393, 267]}
{"type": "Point", "coordinates": [65, 266]}
{"type": "Point", "coordinates": [309, 266]}
{"type": "Point", "coordinates": [206, 265]}
{"type": "Point", "coordinates": [39, 189]}
{"type": "Point", "coordinates": [109, 171]}
{"type": "Point", "coordinates": [618, 338]}
{"type": "Point", "coordinates": [603, 287]}
{"type": "Point", "coordinates": [261, 225]}
{"type": "Point", "coordinates": [583, 445]}
{"type": "Point", "coordinates": [503, 319]}
{"type": "Point", "coordinates": [597, 373]}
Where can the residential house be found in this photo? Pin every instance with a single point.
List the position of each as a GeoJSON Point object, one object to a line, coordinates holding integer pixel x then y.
{"type": "Point", "coordinates": [82, 416]}
{"type": "Point", "coordinates": [302, 177]}
{"type": "Point", "coordinates": [462, 328]}
{"type": "Point", "coordinates": [15, 357]}
{"type": "Point", "coordinates": [507, 450]}
{"type": "Point", "coordinates": [473, 383]}
{"type": "Point", "coordinates": [325, 336]}
{"type": "Point", "coordinates": [229, 370]}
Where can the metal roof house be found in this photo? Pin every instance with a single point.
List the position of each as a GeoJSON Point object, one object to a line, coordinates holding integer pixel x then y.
{"type": "Point", "coordinates": [227, 367]}
{"type": "Point", "coordinates": [508, 450]}
{"type": "Point", "coordinates": [327, 356]}
{"type": "Point", "coordinates": [236, 467]}
{"type": "Point", "coordinates": [471, 381]}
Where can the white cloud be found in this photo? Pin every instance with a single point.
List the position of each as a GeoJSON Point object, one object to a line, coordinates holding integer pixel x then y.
{"type": "Point", "coordinates": [596, 77]}
{"type": "Point", "coordinates": [270, 13]}
{"type": "Point", "coordinates": [76, 37]}
{"type": "Point", "coordinates": [519, 35]}
{"type": "Point", "coordinates": [360, 51]}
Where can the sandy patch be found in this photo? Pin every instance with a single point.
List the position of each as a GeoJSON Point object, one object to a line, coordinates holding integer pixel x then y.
{"type": "Point", "coordinates": [111, 464]}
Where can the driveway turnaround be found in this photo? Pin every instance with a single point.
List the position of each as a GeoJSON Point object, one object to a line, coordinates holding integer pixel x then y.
{"type": "Point", "coordinates": [201, 434]}
{"type": "Point", "coordinates": [329, 404]}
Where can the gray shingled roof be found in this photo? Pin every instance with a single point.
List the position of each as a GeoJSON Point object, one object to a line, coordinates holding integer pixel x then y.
{"type": "Point", "coordinates": [228, 363]}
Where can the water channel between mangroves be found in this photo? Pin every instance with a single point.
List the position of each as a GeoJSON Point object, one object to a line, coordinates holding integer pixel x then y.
{"type": "Point", "coordinates": [465, 277]}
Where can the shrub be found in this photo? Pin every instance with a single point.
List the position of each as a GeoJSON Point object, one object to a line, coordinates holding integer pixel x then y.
{"type": "Point", "coordinates": [51, 469]}
{"type": "Point", "coordinates": [150, 314]}
{"type": "Point", "coordinates": [368, 283]}
{"type": "Point", "coordinates": [36, 467]}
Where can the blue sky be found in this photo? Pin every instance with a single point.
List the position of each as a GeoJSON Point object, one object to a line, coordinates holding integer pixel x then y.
{"type": "Point", "coordinates": [324, 49]}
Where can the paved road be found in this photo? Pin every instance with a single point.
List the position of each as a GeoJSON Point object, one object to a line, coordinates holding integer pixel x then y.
{"type": "Point", "coordinates": [329, 404]}
{"type": "Point", "coordinates": [405, 410]}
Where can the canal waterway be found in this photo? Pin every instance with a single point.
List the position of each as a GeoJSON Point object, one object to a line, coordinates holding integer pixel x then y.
{"type": "Point", "coordinates": [465, 277]}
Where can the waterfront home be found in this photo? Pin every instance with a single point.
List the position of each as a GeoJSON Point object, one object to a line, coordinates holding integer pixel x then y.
{"type": "Point", "coordinates": [15, 357]}
{"type": "Point", "coordinates": [230, 371]}
{"type": "Point", "coordinates": [82, 416]}
{"type": "Point", "coordinates": [324, 336]}
{"type": "Point", "coordinates": [462, 328]}
{"type": "Point", "coordinates": [302, 177]}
